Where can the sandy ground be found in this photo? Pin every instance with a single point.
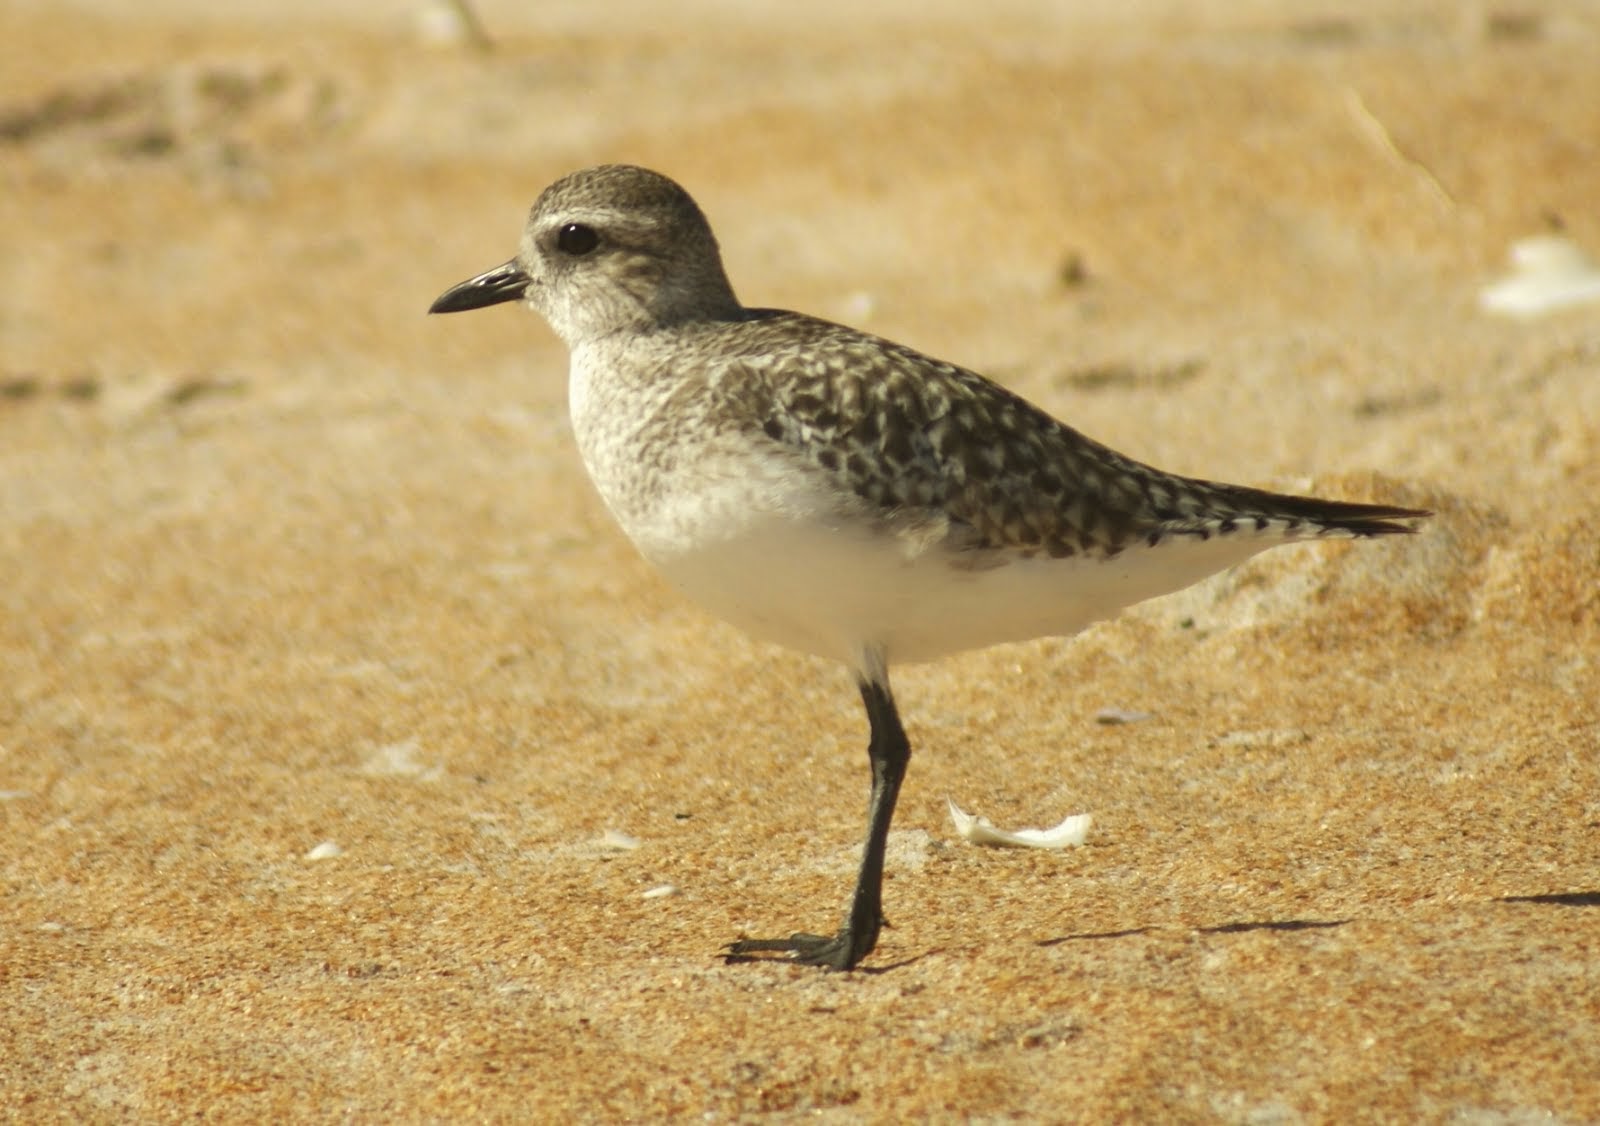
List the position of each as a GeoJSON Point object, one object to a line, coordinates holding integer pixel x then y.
{"type": "Point", "coordinates": [326, 675]}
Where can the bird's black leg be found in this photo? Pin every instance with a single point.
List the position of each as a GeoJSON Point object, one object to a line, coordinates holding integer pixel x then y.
{"type": "Point", "coordinates": [889, 753]}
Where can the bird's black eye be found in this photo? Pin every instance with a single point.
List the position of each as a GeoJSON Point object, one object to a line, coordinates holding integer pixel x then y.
{"type": "Point", "coordinates": [577, 240]}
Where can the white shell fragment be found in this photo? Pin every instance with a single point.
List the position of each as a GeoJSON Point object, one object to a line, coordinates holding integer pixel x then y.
{"type": "Point", "coordinates": [1112, 717]}
{"type": "Point", "coordinates": [980, 831]}
{"type": "Point", "coordinates": [661, 891]}
{"type": "Point", "coordinates": [1549, 272]}
{"type": "Point", "coordinates": [615, 840]}
{"type": "Point", "coordinates": [327, 850]}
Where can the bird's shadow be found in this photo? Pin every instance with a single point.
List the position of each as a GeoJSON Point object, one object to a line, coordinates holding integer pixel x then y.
{"type": "Point", "coordinates": [1556, 899]}
{"type": "Point", "coordinates": [1221, 928]}
{"type": "Point", "coordinates": [1552, 899]}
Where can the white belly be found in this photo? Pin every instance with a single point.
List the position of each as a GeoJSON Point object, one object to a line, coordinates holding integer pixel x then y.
{"type": "Point", "coordinates": [835, 593]}
{"type": "Point", "coordinates": [772, 549]}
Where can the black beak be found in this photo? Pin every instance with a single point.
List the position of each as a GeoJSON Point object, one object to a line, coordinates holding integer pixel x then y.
{"type": "Point", "coordinates": [506, 282]}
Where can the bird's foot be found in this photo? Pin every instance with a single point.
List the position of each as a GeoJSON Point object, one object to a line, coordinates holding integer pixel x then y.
{"type": "Point", "coordinates": [835, 952]}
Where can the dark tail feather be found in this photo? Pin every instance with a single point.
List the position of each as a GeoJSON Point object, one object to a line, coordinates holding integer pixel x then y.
{"type": "Point", "coordinates": [1372, 519]}
{"type": "Point", "coordinates": [1354, 518]}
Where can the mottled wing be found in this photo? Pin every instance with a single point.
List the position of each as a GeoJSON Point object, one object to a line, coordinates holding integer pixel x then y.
{"type": "Point", "coordinates": [932, 443]}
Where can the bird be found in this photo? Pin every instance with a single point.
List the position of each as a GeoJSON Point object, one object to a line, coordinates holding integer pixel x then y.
{"type": "Point", "coordinates": [844, 495]}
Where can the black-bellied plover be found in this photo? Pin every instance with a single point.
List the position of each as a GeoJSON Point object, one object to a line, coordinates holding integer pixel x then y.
{"type": "Point", "coordinates": [841, 494]}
